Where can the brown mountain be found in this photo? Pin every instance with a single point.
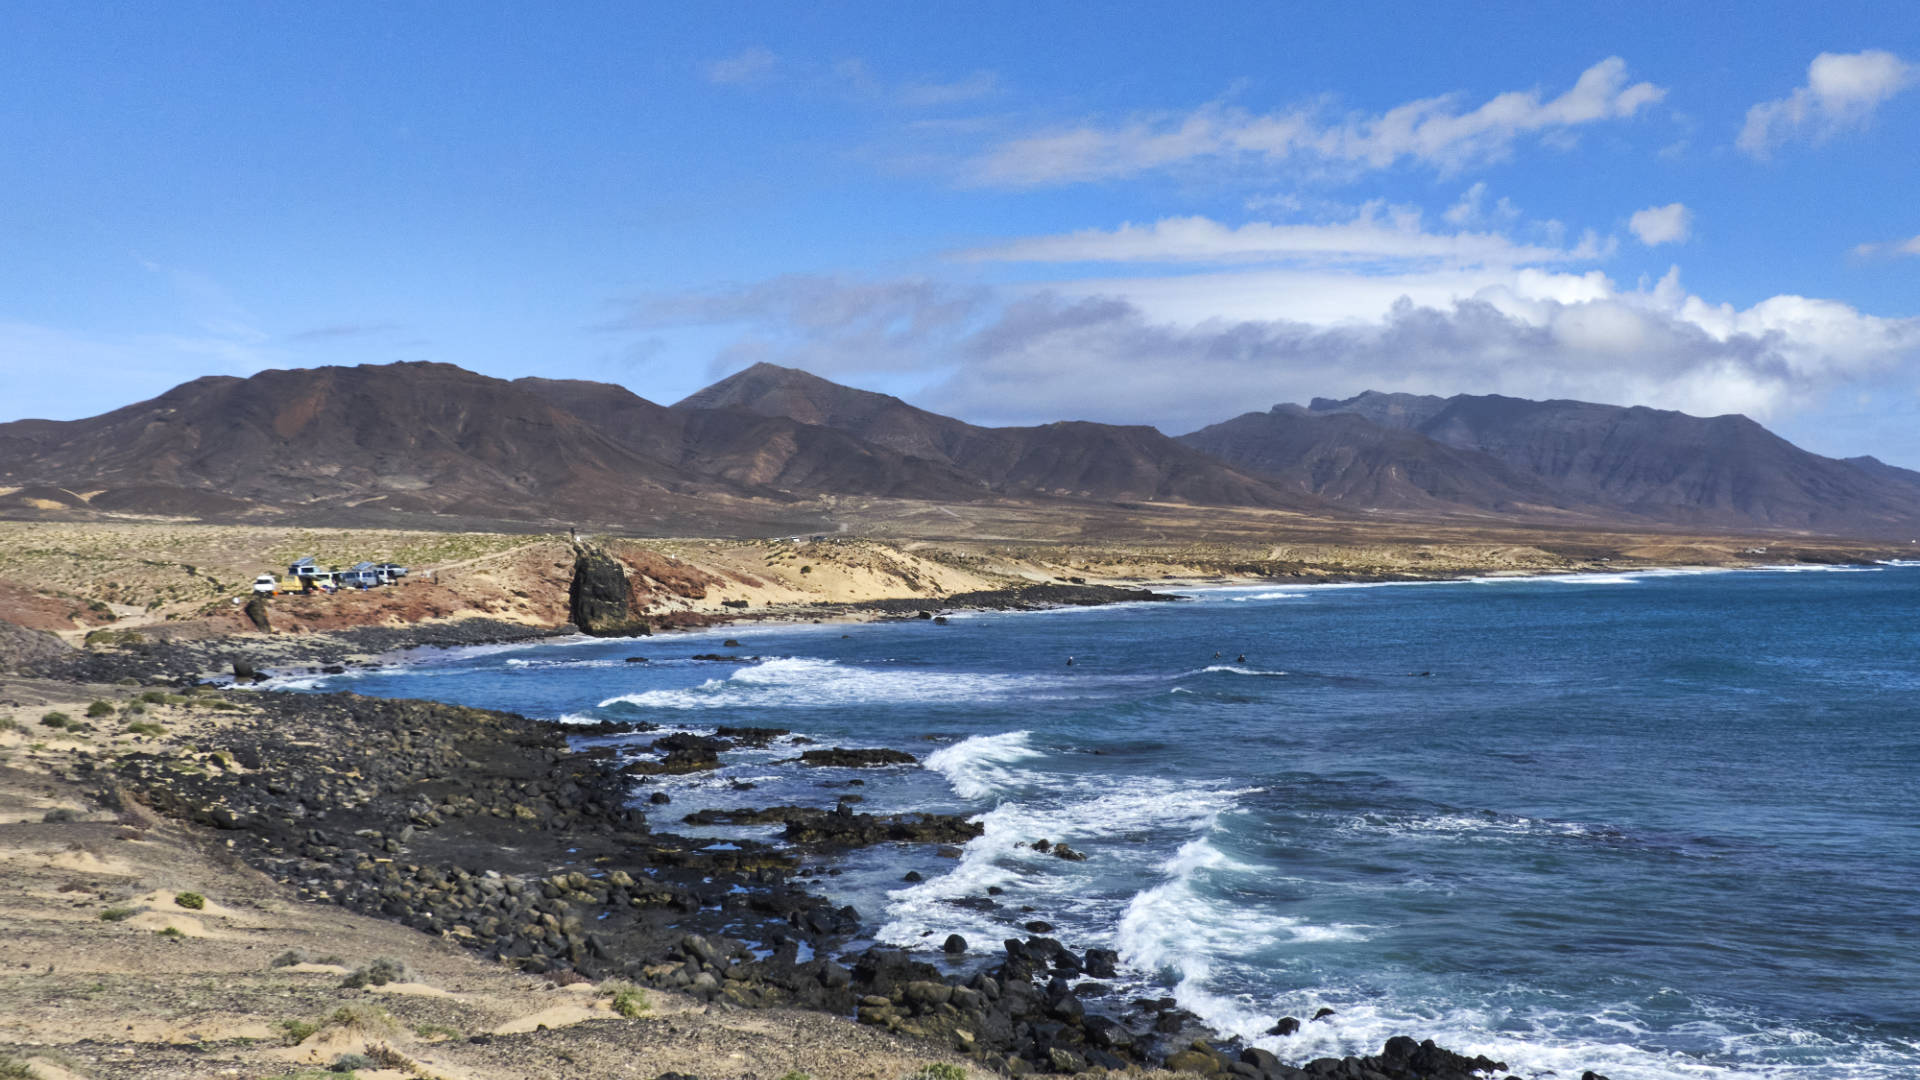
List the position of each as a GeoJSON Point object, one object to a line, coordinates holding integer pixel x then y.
{"type": "Point", "coordinates": [1512, 455]}
{"type": "Point", "coordinates": [1072, 459]}
{"type": "Point", "coordinates": [359, 441]}
{"type": "Point", "coordinates": [1352, 460]}
{"type": "Point", "coordinates": [747, 450]}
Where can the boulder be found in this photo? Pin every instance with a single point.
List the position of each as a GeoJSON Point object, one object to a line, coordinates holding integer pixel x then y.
{"type": "Point", "coordinates": [31, 651]}
{"type": "Point", "coordinates": [600, 601]}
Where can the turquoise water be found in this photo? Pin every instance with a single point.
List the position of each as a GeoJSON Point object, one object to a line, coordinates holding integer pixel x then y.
{"type": "Point", "coordinates": [1655, 825]}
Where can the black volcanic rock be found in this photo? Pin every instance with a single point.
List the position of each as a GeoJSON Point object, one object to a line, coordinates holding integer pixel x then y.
{"type": "Point", "coordinates": [600, 599]}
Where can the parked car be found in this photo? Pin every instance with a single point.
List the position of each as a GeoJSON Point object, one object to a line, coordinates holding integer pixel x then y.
{"type": "Point", "coordinates": [266, 585]}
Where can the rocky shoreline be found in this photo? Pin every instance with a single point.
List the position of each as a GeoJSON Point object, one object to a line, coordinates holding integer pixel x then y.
{"type": "Point", "coordinates": [519, 840]}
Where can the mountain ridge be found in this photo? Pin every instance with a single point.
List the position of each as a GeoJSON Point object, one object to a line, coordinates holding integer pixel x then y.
{"type": "Point", "coordinates": [771, 445]}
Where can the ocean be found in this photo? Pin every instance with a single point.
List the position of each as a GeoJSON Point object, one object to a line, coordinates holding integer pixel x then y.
{"type": "Point", "coordinates": [1654, 824]}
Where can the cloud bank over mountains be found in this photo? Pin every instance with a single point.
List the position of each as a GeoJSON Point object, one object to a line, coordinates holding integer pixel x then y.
{"type": "Point", "coordinates": [1023, 356]}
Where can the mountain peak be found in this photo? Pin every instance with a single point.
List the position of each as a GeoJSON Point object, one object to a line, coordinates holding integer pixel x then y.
{"type": "Point", "coordinates": [1406, 411]}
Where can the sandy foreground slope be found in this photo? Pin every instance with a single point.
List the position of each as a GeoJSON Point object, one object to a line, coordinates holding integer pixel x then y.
{"type": "Point", "coordinates": [103, 973]}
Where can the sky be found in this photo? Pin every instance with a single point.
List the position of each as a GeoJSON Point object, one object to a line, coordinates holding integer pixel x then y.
{"type": "Point", "coordinates": [1009, 212]}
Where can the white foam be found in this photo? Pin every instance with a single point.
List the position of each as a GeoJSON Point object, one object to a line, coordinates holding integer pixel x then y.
{"type": "Point", "coordinates": [977, 767]}
{"type": "Point", "coordinates": [1087, 813]}
{"type": "Point", "coordinates": [1268, 596]}
{"type": "Point", "coordinates": [1469, 825]}
{"type": "Point", "coordinates": [1174, 928]}
{"type": "Point", "coordinates": [798, 682]}
{"type": "Point", "coordinates": [1234, 669]}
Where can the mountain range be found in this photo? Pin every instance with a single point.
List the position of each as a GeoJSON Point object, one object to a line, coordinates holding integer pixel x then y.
{"type": "Point", "coordinates": [765, 448]}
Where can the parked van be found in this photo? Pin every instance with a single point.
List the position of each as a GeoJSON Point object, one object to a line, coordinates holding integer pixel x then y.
{"type": "Point", "coordinates": [266, 585]}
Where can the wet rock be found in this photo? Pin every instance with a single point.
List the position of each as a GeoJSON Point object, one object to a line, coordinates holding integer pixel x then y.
{"type": "Point", "coordinates": [1286, 1025]}
{"type": "Point", "coordinates": [659, 798]}
{"type": "Point", "coordinates": [845, 758]}
{"type": "Point", "coordinates": [756, 737]}
{"type": "Point", "coordinates": [954, 945]}
{"type": "Point", "coordinates": [1101, 963]}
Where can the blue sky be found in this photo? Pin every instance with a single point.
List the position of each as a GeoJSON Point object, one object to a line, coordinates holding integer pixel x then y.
{"type": "Point", "coordinates": [1010, 212]}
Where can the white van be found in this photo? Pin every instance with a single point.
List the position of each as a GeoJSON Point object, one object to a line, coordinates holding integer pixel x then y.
{"type": "Point", "coordinates": [266, 585]}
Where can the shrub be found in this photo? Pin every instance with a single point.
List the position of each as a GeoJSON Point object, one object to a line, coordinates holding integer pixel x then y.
{"type": "Point", "coordinates": [11, 1069]}
{"type": "Point", "coordinates": [378, 973]}
{"type": "Point", "coordinates": [347, 1063]}
{"type": "Point", "coordinates": [8, 723]}
{"type": "Point", "coordinates": [56, 720]}
{"type": "Point", "coordinates": [364, 1018]}
{"type": "Point", "coordinates": [437, 1031]}
{"type": "Point", "coordinates": [154, 697]}
{"type": "Point", "coordinates": [796, 1074]}
{"type": "Point", "coordinates": [298, 1030]}
{"type": "Point", "coordinates": [192, 901]}
{"type": "Point", "coordinates": [170, 932]}
{"type": "Point", "coordinates": [137, 709]}
{"type": "Point", "coordinates": [100, 708]}
{"type": "Point", "coordinates": [288, 959]}
{"type": "Point", "coordinates": [118, 914]}
{"type": "Point", "coordinates": [628, 1000]}
{"type": "Point", "coordinates": [939, 1070]}
{"type": "Point", "coordinates": [146, 727]}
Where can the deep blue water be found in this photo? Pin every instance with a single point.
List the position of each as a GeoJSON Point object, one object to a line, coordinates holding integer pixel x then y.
{"type": "Point", "coordinates": [1655, 825]}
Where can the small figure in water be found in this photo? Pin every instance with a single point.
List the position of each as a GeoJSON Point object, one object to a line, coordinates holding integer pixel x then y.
{"type": "Point", "coordinates": [1242, 660]}
{"type": "Point", "coordinates": [1216, 654]}
{"type": "Point", "coordinates": [1069, 661]}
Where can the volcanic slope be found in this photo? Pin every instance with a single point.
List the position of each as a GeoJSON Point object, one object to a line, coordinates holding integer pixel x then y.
{"type": "Point", "coordinates": [1071, 458]}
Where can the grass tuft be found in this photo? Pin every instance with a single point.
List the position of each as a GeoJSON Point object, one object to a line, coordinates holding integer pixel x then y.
{"type": "Point", "coordinates": [192, 901]}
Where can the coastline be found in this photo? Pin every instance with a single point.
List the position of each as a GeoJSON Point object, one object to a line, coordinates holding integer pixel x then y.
{"type": "Point", "coordinates": [489, 831]}
{"type": "Point", "coordinates": [346, 736]}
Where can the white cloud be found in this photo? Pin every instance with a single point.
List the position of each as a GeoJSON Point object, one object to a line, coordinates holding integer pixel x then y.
{"type": "Point", "coordinates": [1842, 92]}
{"type": "Point", "coordinates": [1377, 233]}
{"type": "Point", "coordinates": [751, 65]}
{"type": "Point", "coordinates": [1290, 335]}
{"type": "Point", "coordinates": [1472, 209]}
{"type": "Point", "coordinates": [1435, 132]}
{"type": "Point", "coordinates": [1656, 225]}
{"type": "Point", "coordinates": [1892, 248]}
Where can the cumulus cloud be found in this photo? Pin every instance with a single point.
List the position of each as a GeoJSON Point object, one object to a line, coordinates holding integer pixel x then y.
{"type": "Point", "coordinates": [1046, 355]}
{"type": "Point", "coordinates": [1656, 225]}
{"type": "Point", "coordinates": [1438, 132]}
{"type": "Point", "coordinates": [751, 65]}
{"type": "Point", "coordinates": [1843, 90]}
{"type": "Point", "coordinates": [1378, 233]}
